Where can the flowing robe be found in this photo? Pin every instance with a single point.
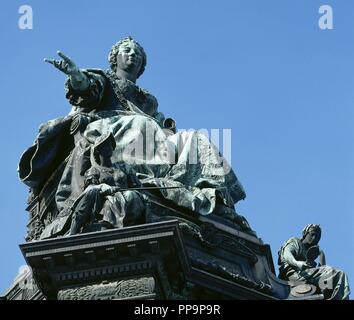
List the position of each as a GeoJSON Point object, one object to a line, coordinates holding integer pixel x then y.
{"type": "Point", "coordinates": [157, 156]}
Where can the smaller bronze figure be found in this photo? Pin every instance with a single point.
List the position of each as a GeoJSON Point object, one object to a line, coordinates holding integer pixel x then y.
{"type": "Point", "coordinates": [297, 265]}
{"type": "Point", "coordinates": [105, 202]}
{"type": "Point", "coordinates": [88, 206]}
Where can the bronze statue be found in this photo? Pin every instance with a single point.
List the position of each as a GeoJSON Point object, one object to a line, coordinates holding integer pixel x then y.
{"type": "Point", "coordinates": [94, 168]}
{"type": "Point", "coordinates": [297, 265]}
{"type": "Point", "coordinates": [184, 166]}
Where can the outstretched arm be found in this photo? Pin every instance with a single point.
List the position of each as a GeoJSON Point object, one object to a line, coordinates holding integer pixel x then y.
{"type": "Point", "coordinates": [84, 89]}
{"type": "Point", "coordinates": [78, 79]}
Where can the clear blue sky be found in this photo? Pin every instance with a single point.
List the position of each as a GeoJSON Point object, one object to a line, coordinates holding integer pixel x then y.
{"type": "Point", "coordinates": [262, 68]}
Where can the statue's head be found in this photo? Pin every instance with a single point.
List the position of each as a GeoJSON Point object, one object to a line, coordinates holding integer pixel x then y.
{"type": "Point", "coordinates": [128, 55]}
{"type": "Point", "coordinates": [311, 234]}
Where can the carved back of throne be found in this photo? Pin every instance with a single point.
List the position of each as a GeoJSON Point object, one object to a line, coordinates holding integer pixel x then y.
{"type": "Point", "coordinates": [42, 207]}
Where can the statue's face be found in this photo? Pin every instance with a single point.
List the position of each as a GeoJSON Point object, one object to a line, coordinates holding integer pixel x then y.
{"type": "Point", "coordinates": [129, 58]}
{"type": "Point", "coordinates": [312, 238]}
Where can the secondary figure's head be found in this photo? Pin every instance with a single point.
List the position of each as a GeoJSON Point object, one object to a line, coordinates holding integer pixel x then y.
{"type": "Point", "coordinates": [129, 56]}
{"type": "Point", "coordinates": [311, 234]}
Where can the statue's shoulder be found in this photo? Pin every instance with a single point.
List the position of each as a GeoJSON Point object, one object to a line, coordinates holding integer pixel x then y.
{"type": "Point", "coordinates": [150, 97]}
{"type": "Point", "coordinates": [295, 243]}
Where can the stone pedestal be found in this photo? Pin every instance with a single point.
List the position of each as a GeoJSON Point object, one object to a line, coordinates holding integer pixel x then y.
{"type": "Point", "coordinates": [161, 260]}
{"type": "Point", "coordinates": [168, 257]}
{"type": "Point", "coordinates": [141, 262]}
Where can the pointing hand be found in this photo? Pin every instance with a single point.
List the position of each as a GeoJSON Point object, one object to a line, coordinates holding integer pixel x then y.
{"type": "Point", "coordinates": [65, 65]}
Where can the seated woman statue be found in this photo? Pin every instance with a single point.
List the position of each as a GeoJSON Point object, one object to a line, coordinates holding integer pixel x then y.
{"type": "Point", "coordinates": [297, 267]}
{"type": "Point", "coordinates": [110, 102]}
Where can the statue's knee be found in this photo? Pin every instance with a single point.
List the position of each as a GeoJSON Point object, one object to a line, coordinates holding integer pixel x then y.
{"type": "Point", "coordinates": [134, 205]}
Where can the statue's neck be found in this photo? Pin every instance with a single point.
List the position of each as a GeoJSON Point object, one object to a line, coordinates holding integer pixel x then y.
{"type": "Point", "coordinates": [125, 75]}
